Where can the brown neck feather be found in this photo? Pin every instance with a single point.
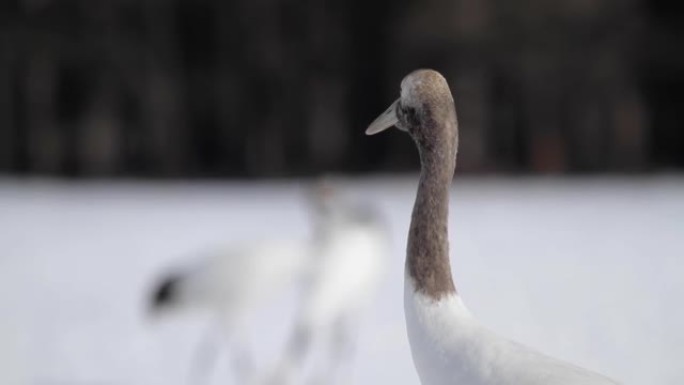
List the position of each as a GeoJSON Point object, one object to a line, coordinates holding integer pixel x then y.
{"type": "Point", "coordinates": [427, 257]}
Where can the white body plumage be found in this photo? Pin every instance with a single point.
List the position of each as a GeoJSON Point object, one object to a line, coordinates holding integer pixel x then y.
{"type": "Point", "coordinates": [450, 347]}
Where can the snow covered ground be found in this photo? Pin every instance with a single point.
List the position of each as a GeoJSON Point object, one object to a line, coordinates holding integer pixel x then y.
{"type": "Point", "coordinates": [589, 270]}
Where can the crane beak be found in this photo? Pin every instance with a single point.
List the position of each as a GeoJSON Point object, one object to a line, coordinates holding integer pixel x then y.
{"type": "Point", "coordinates": [386, 120]}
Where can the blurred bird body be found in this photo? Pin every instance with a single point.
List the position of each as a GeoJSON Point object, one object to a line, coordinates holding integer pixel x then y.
{"type": "Point", "coordinates": [348, 264]}
{"type": "Point", "coordinates": [351, 248]}
{"type": "Point", "coordinates": [235, 281]}
{"type": "Point", "coordinates": [232, 283]}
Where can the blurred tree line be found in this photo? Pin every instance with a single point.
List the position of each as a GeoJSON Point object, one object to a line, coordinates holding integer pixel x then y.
{"type": "Point", "coordinates": [255, 88]}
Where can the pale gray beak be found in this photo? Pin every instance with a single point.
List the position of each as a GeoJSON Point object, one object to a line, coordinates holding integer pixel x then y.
{"type": "Point", "coordinates": [386, 120]}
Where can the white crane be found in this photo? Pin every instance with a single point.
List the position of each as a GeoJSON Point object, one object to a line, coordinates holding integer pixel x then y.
{"type": "Point", "coordinates": [232, 283]}
{"type": "Point", "coordinates": [449, 346]}
{"type": "Point", "coordinates": [350, 251]}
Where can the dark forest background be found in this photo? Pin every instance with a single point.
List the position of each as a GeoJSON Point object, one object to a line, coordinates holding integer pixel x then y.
{"type": "Point", "coordinates": [274, 88]}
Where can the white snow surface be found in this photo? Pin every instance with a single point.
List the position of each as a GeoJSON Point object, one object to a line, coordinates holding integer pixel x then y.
{"type": "Point", "coordinates": [590, 271]}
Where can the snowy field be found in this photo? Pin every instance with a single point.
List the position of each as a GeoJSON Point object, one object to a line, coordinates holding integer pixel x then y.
{"type": "Point", "coordinates": [589, 270]}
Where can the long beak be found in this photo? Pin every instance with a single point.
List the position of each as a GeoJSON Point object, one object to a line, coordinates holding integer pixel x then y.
{"type": "Point", "coordinates": [386, 120]}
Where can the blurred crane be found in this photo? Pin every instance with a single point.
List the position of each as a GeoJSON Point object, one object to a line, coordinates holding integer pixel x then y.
{"type": "Point", "coordinates": [350, 246]}
{"type": "Point", "coordinates": [232, 283]}
{"type": "Point", "coordinates": [339, 266]}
